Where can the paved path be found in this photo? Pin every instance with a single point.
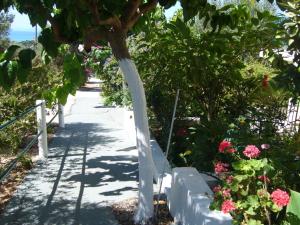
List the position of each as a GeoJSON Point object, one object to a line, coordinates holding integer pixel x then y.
{"type": "Point", "coordinates": [92, 163]}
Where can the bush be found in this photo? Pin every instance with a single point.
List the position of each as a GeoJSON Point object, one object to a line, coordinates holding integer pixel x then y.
{"type": "Point", "coordinates": [18, 99]}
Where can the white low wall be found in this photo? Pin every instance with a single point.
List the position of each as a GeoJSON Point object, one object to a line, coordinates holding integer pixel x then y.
{"type": "Point", "coordinates": [190, 197]}
{"type": "Point", "coordinates": [187, 191]}
{"type": "Point", "coordinates": [162, 169]}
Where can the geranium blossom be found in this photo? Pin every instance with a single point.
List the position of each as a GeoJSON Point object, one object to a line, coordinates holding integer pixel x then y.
{"type": "Point", "coordinates": [280, 198]}
{"type": "Point", "coordinates": [228, 206]}
{"type": "Point", "coordinates": [251, 151]}
{"type": "Point", "coordinates": [217, 189]}
{"type": "Point", "coordinates": [226, 193]}
{"type": "Point", "coordinates": [221, 167]}
{"type": "Point", "coordinates": [224, 145]}
{"type": "Point", "coordinates": [229, 179]}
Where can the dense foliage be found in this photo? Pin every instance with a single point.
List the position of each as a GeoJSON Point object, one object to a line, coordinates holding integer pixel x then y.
{"type": "Point", "coordinates": [210, 53]}
{"type": "Point", "coordinates": [21, 97]}
{"type": "Point", "coordinates": [253, 189]}
{"type": "Point", "coordinates": [5, 22]}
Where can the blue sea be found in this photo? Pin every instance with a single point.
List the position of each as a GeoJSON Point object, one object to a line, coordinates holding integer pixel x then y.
{"type": "Point", "coordinates": [16, 35]}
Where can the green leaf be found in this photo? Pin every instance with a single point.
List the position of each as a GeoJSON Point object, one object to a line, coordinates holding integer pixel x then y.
{"type": "Point", "coordinates": [12, 70]}
{"type": "Point", "coordinates": [255, 222]}
{"type": "Point", "coordinates": [22, 74]}
{"type": "Point", "coordinates": [25, 57]}
{"type": "Point", "coordinates": [293, 208]}
{"type": "Point", "coordinates": [62, 94]}
{"type": "Point", "coordinates": [7, 74]}
{"type": "Point", "coordinates": [47, 39]}
{"type": "Point", "coordinates": [10, 52]}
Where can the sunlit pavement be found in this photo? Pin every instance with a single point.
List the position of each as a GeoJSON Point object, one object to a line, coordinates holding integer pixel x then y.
{"type": "Point", "coordinates": [92, 163]}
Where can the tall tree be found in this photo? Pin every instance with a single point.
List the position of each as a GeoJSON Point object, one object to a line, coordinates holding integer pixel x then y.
{"type": "Point", "coordinates": [107, 21]}
{"type": "Point", "coordinates": [5, 22]}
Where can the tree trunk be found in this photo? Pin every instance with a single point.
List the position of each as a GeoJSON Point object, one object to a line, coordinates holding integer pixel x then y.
{"type": "Point", "coordinates": [135, 85]}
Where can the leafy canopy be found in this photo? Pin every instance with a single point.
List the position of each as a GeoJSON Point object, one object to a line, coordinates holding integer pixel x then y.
{"type": "Point", "coordinates": [89, 21]}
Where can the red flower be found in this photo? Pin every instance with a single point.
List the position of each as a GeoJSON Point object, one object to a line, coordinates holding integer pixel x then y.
{"type": "Point", "coordinates": [181, 132]}
{"type": "Point", "coordinates": [280, 198]}
{"type": "Point", "coordinates": [226, 193]}
{"type": "Point", "coordinates": [229, 179]}
{"type": "Point", "coordinates": [228, 206]}
{"type": "Point", "coordinates": [265, 81]}
{"type": "Point", "coordinates": [251, 151]}
{"type": "Point", "coordinates": [231, 150]}
{"type": "Point", "coordinates": [221, 167]}
{"type": "Point", "coordinates": [264, 178]}
{"type": "Point", "coordinates": [224, 145]}
{"type": "Point", "coordinates": [217, 189]}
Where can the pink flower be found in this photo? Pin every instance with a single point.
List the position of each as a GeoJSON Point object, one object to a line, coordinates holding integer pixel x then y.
{"type": "Point", "coordinates": [264, 178]}
{"type": "Point", "coordinates": [224, 145]}
{"type": "Point", "coordinates": [265, 146]}
{"type": "Point", "coordinates": [181, 132]}
{"type": "Point", "coordinates": [221, 167]}
{"type": "Point", "coordinates": [227, 206]}
{"type": "Point", "coordinates": [229, 179]}
{"type": "Point", "coordinates": [280, 198]}
{"type": "Point", "coordinates": [251, 151]}
{"type": "Point", "coordinates": [226, 193]}
{"type": "Point", "coordinates": [217, 189]}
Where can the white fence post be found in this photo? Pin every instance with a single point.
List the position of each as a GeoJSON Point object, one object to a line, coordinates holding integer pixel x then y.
{"type": "Point", "coordinates": [42, 127]}
{"type": "Point", "coordinates": [61, 118]}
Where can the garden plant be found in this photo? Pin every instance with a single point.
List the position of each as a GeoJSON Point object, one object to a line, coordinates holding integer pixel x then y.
{"type": "Point", "coordinates": [209, 52]}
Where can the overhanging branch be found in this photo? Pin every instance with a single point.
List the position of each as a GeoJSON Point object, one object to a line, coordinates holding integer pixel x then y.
{"type": "Point", "coordinates": [130, 9]}
{"type": "Point", "coordinates": [143, 9]}
{"type": "Point", "coordinates": [93, 35]}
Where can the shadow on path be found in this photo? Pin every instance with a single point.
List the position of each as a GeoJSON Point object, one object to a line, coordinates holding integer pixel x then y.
{"type": "Point", "coordinates": [90, 166]}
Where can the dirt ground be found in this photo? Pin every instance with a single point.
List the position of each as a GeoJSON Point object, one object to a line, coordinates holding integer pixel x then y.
{"type": "Point", "coordinates": [17, 175]}
{"type": "Point", "coordinates": [124, 212]}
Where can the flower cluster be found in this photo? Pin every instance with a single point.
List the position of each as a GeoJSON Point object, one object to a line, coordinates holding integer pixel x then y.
{"type": "Point", "coordinates": [234, 195]}
{"type": "Point", "coordinates": [280, 198]}
{"type": "Point", "coordinates": [251, 151]}
{"type": "Point", "coordinates": [227, 206]}
{"type": "Point", "coordinates": [229, 179]}
{"type": "Point", "coordinates": [217, 189]}
{"type": "Point", "coordinates": [226, 193]}
{"type": "Point", "coordinates": [226, 147]}
{"type": "Point", "coordinates": [221, 167]}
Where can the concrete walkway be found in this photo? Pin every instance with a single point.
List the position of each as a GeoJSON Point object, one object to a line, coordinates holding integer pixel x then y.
{"type": "Point", "coordinates": [92, 163]}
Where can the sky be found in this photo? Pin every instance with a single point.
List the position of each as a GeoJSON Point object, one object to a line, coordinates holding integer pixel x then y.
{"type": "Point", "coordinates": [21, 28]}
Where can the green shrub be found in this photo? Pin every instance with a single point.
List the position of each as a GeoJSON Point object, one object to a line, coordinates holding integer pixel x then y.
{"type": "Point", "coordinates": [26, 162]}
{"type": "Point", "coordinates": [21, 97]}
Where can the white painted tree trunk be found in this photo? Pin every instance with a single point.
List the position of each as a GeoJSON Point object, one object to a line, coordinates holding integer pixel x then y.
{"type": "Point", "coordinates": [135, 85]}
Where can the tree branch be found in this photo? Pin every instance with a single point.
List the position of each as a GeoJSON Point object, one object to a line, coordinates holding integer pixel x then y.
{"type": "Point", "coordinates": [143, 9]}
{"type": "Point", "coordinates": [57, 32]}
{"type": "Point", "coordinates": [113, 21]}
{"type": "Point", "coordinates": [150, 5]}
{"type": "Point", "coordinates": [130, 9]}
{"type": "Point", "coordinates": [93, 35]}
{"type": "Point", "coordinates": [94, 10]}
